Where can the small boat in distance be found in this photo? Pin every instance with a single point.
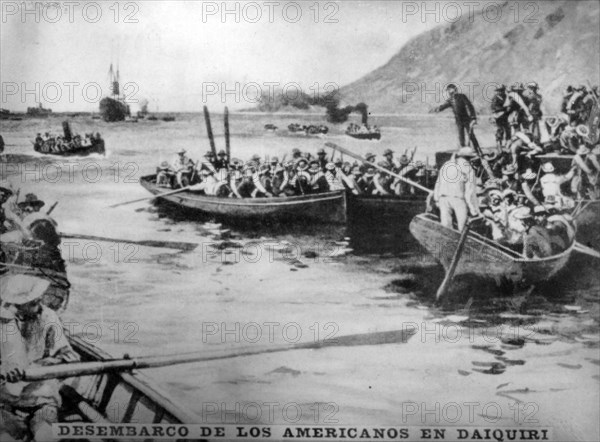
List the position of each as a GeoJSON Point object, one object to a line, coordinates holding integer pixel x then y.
{"type": "Point", "coordinates": [484, 257]}
{"type": "Point", "coordinates": [327, 207]}
{"type": "Point", "coordinates": [168, 118]}
{"type": "Point", "coordinates": [38, 112]}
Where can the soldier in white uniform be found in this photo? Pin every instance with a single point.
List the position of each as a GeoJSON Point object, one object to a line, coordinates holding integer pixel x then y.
{"type": "Point", "coordinates": [456, 190]}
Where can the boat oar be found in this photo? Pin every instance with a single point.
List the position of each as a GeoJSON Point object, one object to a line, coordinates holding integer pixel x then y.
{"type": "Point", "coordinates": [376, 166]}
{"type": "Point", "coordinates": [52, 207]}
{"type": "Point", "coordinates": [443, 288]}
{"type": "Point", "coordinates": [227, 145]}
{"type": "Point", "coordinates": [578, 247]}
{"type": "Point", "coordinates": [172, 192]}
{"type": "Point", "coordinates": [209, 131]}
{"type": "Point", "coordinates": [148, 243]}
{"type": "Point", "coordinates": [88, 368]}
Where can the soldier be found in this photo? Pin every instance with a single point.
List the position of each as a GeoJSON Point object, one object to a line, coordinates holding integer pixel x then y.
{"type": "Point", "coordinates": [322, 159]}
{"type": "Point", "coordinates": [455, 190]}
{"type": "Point", "coordinates": [527, 186]}
{"type": "Point", "coordinates": [551, 186]}
{"type": "Point", "coordinates": [576, 106]}
{"type": "Point", "coordinates": [236, 177]}
{"type": "Point", "coordinates": [222, 162]}
{"type": "Point", "coordinates": [370, 157]}
{"type": "Point", "coordinates": [334, 177]}
{"type": "Point", "coordinates": [389, 164]}
{"type": "Point", "coordinates": [500, 115]}
{"type": "Point", "coordinates": [534, 103]}
{"type": "Point", "coordinates": [565, 99]}
{"type": "Point", "coordinates": [296, 154]}
{"type": "Point", "coordinates": [163, 177]}
{"type": "Point", "coordinates": [464, 115]}
{"type": "Point", "coordinates": [519, 116]}
{"type": "Point", "coordinates": [318, 182]}
{"type": "Point", "coordinates": [523, 148]}
{"type": "Point", "coordinates": [181, 166]}
{"type": "Point", "coordinates": [29, 408]}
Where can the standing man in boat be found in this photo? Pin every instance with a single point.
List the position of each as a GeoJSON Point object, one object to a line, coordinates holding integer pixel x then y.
{"type": "Point", "coordinates": [31, 334]}
{"type": "Point", "coordinates": [455, 191]}
{"type": "Point", "coordinates": [534, 103]}
{"type": "Point", "coordinates": [500, 116]}
{"type": "Point", "coordinates": [464, 115]}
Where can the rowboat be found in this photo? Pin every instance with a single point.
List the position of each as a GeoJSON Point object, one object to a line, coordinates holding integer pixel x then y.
{"type": "Point", "coordinates": [328, 207]}
{"type": "Point", "coordinates": [365, 136]}
{"type": "Point", "coordinates": [482, 256]}
{"type": "Point", "coordinates": [116, 397]}
{"type": "Point", "coordinates": [97, 146]}
{"type": "Point", "coordinates": [394, 211]}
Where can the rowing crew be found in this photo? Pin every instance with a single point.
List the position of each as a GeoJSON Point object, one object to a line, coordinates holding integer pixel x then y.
{"type": "Point", "coordinates": [51, 144]}
{"type": "Point", "coordinates": [535, 223]}
{"type": "Point", "coordinates": [302, 175]}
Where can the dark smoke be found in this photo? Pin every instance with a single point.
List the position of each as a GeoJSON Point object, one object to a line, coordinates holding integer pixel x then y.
{"type": "Point", "coordinates": [335, 114]}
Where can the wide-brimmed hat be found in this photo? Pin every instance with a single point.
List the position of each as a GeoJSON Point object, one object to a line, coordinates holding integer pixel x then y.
{"type": "Point", "coordinates": [314, 166]}
{"type": "Point", "coordinates": [182, 150]}
{"type": "Point", "coordinates": [522, 213]}
{"type": "Point", "coordinates": [21, 289]}
{"type": "Point", "coordinates": [295, 151]}
{"type": "Point", "coordinates": [529, 175]}
{"type": "Point", "coordinates": [532, 85]}
{"type": "Point", "coordinates": [511, 169]}
{"type": "Point", "coordinates": [5, 188]}
{"type": "Point", "coordinates": [209, 154]}
{"type": "Point", "coordinates": [370, 172]}
{"type": "Point", "coordinates": [164, 165]}
{"type": "Point", "coordinates": [582, 130]}
{"type": "Point", "coordinates": [330, 166]}
{"type": "Point", "coordinates": [517, 87]}
{"type": "Point", "coordinates": [388, 152]}
{"type": "Point", "coordinates": [548, 167]}
{"type": "Point", "coordinates": [495, 194]}
{"type": "Point", "coordinates": [466, 152]}
{"type": "Point", "coordinates": [539, 210]}
{"type": "Point", "coordinates": [582, 150]}
{"type": "Point", "coordinates": [236, 162]}
{"type": "Point", "coordinates": [492, 184]}
{"type": "Point", "coordinates": [274, 160]}
{"type": "Point", "coordinates": [321, 151]}
{"type": "Point", "coordinates": [404, 160]}
{"type": "Point", "coordinates": [369, 156]}
{"type": "Point", "coordinates": [301, 166]}
{"type": "Point", "coordinates": [507, 192]}
{"type": "Point", "coordinates": [222, 153]}
{"type": "Point", "coordinates": [451, 86]}
{"type": "Point", "coordinates": [500, 88]}
{"type": "Point", "coordinates": [255, 157]}
{"type": "Point", "coordinates": [32, 200]}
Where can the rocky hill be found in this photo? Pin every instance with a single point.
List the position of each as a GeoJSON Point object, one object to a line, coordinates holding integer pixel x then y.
{"type": "Point", "coordinates": [556, 45]}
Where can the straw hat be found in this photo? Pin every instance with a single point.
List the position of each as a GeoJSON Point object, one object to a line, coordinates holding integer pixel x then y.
{"type": "Point", "coordinates": [21, 289]}
{"type": "Point", "coordinates": [404, 160]}
{"type": "Point", "coordinates": [164, 165]}
{"type": "Point", "coordinates": [547, 167]}
{"type": "Point", "coordinates": [222, 153]}
{"type": "Point", "coordinates": [466, 152]}
{"type": "Point", "coordinates": [31, 200]}
{"type": "Point", "coordinates": [369, 156]}
{"type": "Point", "coordinates": [522, 213]}
{"type": "Point", "coordinates": [511, 169]}
{"type": "Point", "coordinates": [529, 175]}
{"type": "Point", "coordinates": [582, 130]}
{"type": "Point", "coordinates": [330, 166]}
{"type": "Point", "coordinates": [181, 151]}
{"type": "Point", "coordinates": [388, 152]}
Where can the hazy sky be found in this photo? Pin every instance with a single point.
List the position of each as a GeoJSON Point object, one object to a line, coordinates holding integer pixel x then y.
{"type": "Point", "coordinates": [180, 54]}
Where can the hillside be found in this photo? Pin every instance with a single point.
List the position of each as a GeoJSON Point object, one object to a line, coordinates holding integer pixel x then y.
{"type": "Point", "coordinates": [562, 48]}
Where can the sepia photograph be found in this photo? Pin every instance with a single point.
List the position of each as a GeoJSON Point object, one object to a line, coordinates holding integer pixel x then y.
{"type": "Point", "coordinates": [300, 220]}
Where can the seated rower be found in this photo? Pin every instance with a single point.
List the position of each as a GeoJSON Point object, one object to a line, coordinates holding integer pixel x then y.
{"type": "Point", "coordinates": [163, 176]}
{"type": "Point", "coordinates": [181, 166]}
{"type": "Point", "coordinates": [370, 157]}
{"type": "Point", "coordinates": [209, 163]}
{"type": "Point", "coordinates": [29, 408]}
{"type": "Point", "coordinates": [536, 239]}
{"type": "Point", "coordinates": [222, 161]}
{"type": "Point", "coordinates": [318, 182]}
{"type": "Point", "coordinates": [495, 214]}
{"type": "Point", "coordinates": [382, 181]}
{"type": "Point", "coordinates": [366, 181]}
{"type": "Point", "coordinates": [335, 177]}
{"type": "Point", "coordinates": [528, 182]}
{"type": "Point", "coordinates": [235, 177]}
{"type": "Point", "coordinates": [551, 186]}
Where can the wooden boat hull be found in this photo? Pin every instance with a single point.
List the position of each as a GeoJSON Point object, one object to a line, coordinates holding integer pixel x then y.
{"type": "Point", "coordinates": [482, 256]}
{"type": "Point", "coordinates": [380, 223]}
{"type": "Point", "coordinates": [96, 148]}
{"type": "Point", "coordinates": [329, 207]}
{"type": "Point", "coordinates": [367, 136]}
{"type": "Point", "coordinates": [112, 397]}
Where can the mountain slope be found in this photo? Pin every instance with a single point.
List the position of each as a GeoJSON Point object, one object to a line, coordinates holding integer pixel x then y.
{"type": "Point", "coordinates": [562, 48]}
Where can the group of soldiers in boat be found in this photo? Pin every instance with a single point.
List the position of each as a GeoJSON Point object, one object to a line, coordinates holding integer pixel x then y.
{"type": "Point", "coordinates": [308, 129]}
{"type": "Point", "coordinates": [33, 292]}
{"type": "Point", "coordinates": [302, 174]}
{"type": "Point", "coordinates": [59, 144]}
{"type": "Point", "coordinates": [525, 202]}
{"type": "Point", "coordinates": [354, 128]}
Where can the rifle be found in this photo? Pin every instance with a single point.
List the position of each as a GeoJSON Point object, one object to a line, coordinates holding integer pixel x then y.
{"type": "Point", "coordinates": [51, 208]}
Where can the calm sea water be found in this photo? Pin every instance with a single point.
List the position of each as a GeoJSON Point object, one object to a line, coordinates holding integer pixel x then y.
{"type": "Point", "coordinates": [526, 360]}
